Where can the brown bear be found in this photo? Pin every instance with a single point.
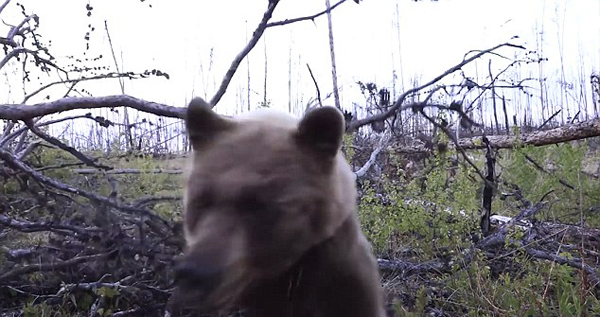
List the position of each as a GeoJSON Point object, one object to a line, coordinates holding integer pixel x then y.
{"type": "Point", "coordinates": [270, 219]}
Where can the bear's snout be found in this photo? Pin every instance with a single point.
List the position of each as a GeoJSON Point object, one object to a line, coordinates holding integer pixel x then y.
{"type": "Point", "coordinates": [195, 279]}
{"type": "Point", "coordinates": [200, 275]}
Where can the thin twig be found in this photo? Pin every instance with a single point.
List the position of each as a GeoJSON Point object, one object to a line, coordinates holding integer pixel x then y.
{"type": "Point", "coordinates": [76, 81]}
{"type": "Point", "coordinates": [310, 17]}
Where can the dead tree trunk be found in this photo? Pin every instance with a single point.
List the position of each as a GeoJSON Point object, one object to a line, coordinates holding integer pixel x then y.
{"type": "Point", "coordinates": [265, 83]}
{"type": "Point", "coordinates": [336, 94]}
{"type": "Point", "coordinates": [507, 126]}
{"type": "Point", "coordinates": [494, 99]}
{"type": "Point", "coordinates": [488, 190]}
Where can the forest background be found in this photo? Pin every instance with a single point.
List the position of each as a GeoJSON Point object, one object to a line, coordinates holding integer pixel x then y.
{"type": "Point", "coordinates": [472, 127]}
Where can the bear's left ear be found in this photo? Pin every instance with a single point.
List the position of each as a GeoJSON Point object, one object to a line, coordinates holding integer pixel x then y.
{"type": "Point", "coordinates": [203, 124]}
{"type": "Point", "coordinates": [322, 130]}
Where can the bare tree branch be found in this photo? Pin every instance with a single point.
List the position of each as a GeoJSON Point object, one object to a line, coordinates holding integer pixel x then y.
{"type": "Point", "coordinates": [58, 166]}
{"type": "Point", "coordinates": [30, 147]}
{"type": "Point", "coordinates": [68, 288]}
{"type": "Point", "coordinates": [18, 29]}
{"type": "Point", "coordinates": [8, 137]}
{"type": "Point", "coordinates": [78, 80]}
{"type": "Point", "coordinates": [150, 200]}
{"type": "Point", "coordinates": [573, 262]}
{"type": "Point", "coordinates": [54, 141]}
{"type": "Point", "coordinates": [26, 226]}
{"type": "Point", "coordinates": [398, 104]}
{"type": "Point", "coordinates": [10, 55]}
{"type": "Point", "coordinates": [24, 112]}
{"type": "Point", "coordinates": [238, 59]}
{"type": "Point", "coordinates": [22, 50]}
{"type": "Point", "coordinates": [4, 5]}
{"type": "Point", "coordinates": [316, 85]}
{"type": "Point", "coordinates": [310, 17]}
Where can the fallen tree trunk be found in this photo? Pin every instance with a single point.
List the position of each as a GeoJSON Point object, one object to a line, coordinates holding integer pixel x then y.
{"type": "Point", "coordinates": [570, 132]}
{"type": "Point", "coordinates": [25, 112]}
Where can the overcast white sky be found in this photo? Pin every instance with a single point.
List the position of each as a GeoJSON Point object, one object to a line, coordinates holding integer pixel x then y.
{"type": "Point", "coordinates": [178, 37]}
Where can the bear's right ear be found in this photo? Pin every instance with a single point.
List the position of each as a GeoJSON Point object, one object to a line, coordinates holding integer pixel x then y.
{"type": "Point", "coordinates": [202, 123]}
{"type": "Point", "coordinates": [322, 130]}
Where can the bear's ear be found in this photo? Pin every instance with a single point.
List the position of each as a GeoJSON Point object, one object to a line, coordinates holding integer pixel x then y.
{"type": "Point", "coordinates": [322, 130]}
{"type": "Point", "coordinates": [202, 123]}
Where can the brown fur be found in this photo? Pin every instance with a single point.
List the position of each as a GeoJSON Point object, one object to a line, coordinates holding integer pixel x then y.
{"type": "Point", "coordinates": [270, 219]}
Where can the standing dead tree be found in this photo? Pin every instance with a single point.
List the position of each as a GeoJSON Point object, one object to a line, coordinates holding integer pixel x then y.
{"type": "Point", "coordinates": [336, 94]}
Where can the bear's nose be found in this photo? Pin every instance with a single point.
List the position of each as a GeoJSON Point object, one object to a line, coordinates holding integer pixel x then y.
{"type": "Point", "coordinates": [197, 275]}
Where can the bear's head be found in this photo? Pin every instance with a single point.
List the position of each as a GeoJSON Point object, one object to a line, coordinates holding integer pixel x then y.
{"type": "Point", "coordinates": [263, 188]}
